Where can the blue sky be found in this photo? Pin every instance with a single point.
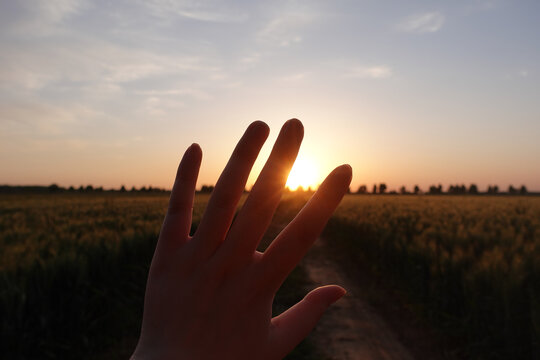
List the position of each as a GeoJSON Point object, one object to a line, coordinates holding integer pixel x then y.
{"type": "Point", "coordinates": [407, 92]}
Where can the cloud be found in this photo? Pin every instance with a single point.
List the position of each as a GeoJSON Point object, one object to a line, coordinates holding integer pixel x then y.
{"type": "Point", "coordinates": [91, 63]}
{"type": "Point", "coordinates": [518, 74]}
{"type": "Point", "coordinates": [38, 18]}
{"type": "Point", "coordinates": [157, 107]}
{"type": "Point", "coordinates": [285, 30]}
{"type": "Point", "coordinates": [423, 23]}
{"type": "Point", "coordinates": [371, 72]}
{"type": "Point", "coordinates": [251, 59]}
{"type": "Point", "coordinates": [482, 5]}
{"type": "Point", "coordinates": [298, 77]}
{"type": "Point", "coordinates": [207, 11]}
{"type": "Point", "coordinates": [45, 119]}
{"type": "Point", "coordinates": [58, 10]}
{"type": "Point", "coordinates": [189, 92]}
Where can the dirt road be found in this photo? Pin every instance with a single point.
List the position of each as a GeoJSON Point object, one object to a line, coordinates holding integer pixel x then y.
{"type": "Point", "coordinates": [350, 329]}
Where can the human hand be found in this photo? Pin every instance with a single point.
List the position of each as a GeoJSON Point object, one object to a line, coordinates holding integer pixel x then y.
{"type": "Point", "coordinates": [210, 296]}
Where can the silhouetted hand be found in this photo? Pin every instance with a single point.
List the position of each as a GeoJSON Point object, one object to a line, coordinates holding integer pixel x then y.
{"type": "Point", "coordinates": [210, 296]}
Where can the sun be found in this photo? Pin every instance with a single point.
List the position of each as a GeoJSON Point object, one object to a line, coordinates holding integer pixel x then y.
{"type": "Point", "coordinates": [304, 173]}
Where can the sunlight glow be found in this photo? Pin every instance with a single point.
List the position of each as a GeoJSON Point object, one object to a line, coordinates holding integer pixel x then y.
{"type": "Point", "coordinates": [304, 173]}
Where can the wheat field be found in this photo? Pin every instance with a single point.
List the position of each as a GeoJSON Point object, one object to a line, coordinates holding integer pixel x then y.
{"type": "Point", "coordinates": [73, 266]}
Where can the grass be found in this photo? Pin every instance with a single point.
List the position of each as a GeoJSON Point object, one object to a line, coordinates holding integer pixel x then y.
{"type": "Point", "coordinates": [471, 265]}
{"type": "Point", "coordinates": [73, 271]}
{"type": "Point", "coordinates": [73, 268]}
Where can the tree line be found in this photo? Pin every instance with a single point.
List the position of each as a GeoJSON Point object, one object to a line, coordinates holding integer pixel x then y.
{"type": "Point", "coordinates": [472, 189]}
{"type": "Point", "coordinates": [381, 188]}
{"type": "Point", "coordinates": [54, 188]}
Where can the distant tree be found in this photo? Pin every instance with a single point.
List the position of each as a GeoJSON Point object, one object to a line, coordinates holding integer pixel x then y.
{"type": "Point", "coordinates": [382, 188]}
{"type": "Point", "coordinates": [512, 190]}
{"type": "Point", "coordinates": [416, 189]}
{"type": "Point", "coordinates": [403, 190]}
{"type": "Point", "coordinates": [81, 188]}
{"type": "Point", "coordinates": [457, 189]}
{"type": "Point", "coordinates": [54, 188]}
{"type": "Point", "coordinates": [473, 189]}
{"type": "Point", "coordinates": [374, 189]}
{"type": "Point", "coordinates": [123, 189]}
{"type": "Point", "coordinates": [89, 188]}
{"type": "Point", "coordinates": [495, 189]}
{"type": "Point", "coordinates": [435, 189]}
{"type": "Point", "coordinates": [71, 188]}
{"type": "Point", "coordinates": [362, 189]}
{"type": "Point", "coordinates": [523, 190]}
{"type": "Point", "coordinates": [207, 188]}
{"type": "Point", "coordinates": [133, 189]}
{"type": "Point", "coordinates": [99, 189]}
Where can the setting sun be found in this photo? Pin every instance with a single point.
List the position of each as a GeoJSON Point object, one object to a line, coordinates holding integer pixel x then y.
{"type": "Point", "coordinates": [304, 173]}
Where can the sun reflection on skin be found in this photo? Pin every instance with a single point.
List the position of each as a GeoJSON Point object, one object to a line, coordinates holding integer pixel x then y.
{"type": "Point", "coordinates": [304, 173]}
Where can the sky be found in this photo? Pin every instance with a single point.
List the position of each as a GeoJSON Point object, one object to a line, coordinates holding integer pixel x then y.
{"type": "Point", "coordinates": [111, 93]}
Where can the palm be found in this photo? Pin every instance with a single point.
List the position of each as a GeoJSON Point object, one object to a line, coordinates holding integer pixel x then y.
{"type": "Point", "coordinates": [210, 296]}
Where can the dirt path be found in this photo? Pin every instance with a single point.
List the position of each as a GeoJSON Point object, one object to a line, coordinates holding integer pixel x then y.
{"type": "Point", "coordinates": [350, 329]}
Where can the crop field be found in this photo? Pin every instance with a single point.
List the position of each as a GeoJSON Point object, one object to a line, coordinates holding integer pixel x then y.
{"type": "Point", "coordinates": [73, 270]}
{"type": "Point", "coordinates": [471, 264]}
{"type": "Point", "coordinates": [73, 267]}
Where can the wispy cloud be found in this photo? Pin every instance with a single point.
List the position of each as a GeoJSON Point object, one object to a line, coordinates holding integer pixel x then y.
{"type": "Point", "coordinates": [423, 23]}
{"type": "Point", "coordinates": [38, 18]}
{"type": "Point", "coordinates": [157, 107]}
{"type": "Point", "coordinates": [209, 11]}
{"type": "Point", "coordinates": [293, 78]}
{"type": "Point", "coordinates": [518, 74]}
{"type": "Point", "coordinates": [482, 5]}
{"type": "Point", "coordinates": [370, 72]}
{"type": "Point", "coordinates": [251, 59]}
{"type": "Point", "coordinates": [47, 120]}
{"type": "Point", "coordinates": [285, 30]}
{"type": "Point", "coordinates": [56, 11]}
{"type": "Point", "coordinates": [94, 63]}
{"type": "Point", "coordinates": [190, 92]}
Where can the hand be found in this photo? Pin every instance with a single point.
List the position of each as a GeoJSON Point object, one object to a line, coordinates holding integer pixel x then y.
{"type": "Point", "coordinates": [210, 296]}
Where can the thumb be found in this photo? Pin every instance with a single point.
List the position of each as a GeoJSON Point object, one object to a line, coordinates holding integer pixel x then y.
{"type": "Point", "coordinates": [292, 326]}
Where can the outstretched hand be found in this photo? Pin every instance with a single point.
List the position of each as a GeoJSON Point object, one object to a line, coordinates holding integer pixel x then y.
{"type": "Point", "coordinates": [210, 296]}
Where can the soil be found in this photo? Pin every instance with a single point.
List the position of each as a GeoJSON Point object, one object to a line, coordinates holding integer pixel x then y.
{"type": "Point", "coordinates": [353, 328]}
{"type": "Point", "coordinates": [350, 329]}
